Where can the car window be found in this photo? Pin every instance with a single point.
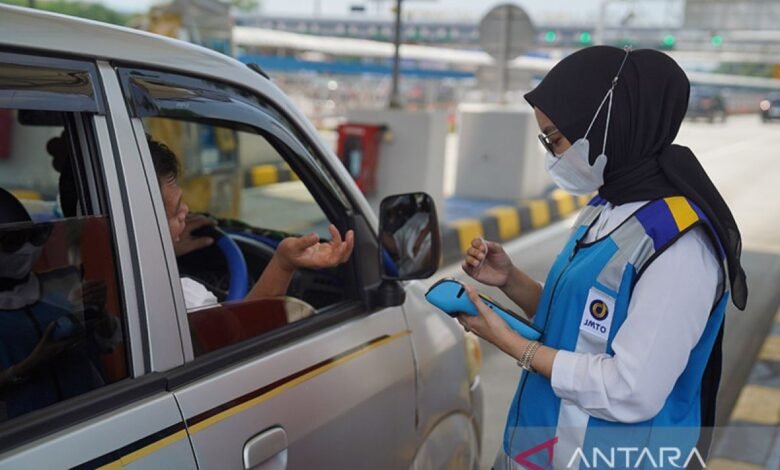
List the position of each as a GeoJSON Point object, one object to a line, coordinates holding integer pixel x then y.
{"type": "Point", "coordinates": [61, 315]}
{"type": "Point", "coordinates": [242, 166]}
{"type": "Point", "coordinates": [239, 176]}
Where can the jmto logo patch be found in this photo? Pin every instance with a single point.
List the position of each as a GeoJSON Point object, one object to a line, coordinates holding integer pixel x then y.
{"type": "Point", "coordinates": [598, 313]}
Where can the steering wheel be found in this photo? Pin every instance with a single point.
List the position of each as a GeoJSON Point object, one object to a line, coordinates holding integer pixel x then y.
{"type": "Point", "coordinates": [234, 258]}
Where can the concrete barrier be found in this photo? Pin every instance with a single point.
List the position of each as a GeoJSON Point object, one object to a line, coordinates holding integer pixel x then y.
{"type": "Point", "coordinates": [268, 173]}
{"type": "Point", "coordinates": [505, 223]}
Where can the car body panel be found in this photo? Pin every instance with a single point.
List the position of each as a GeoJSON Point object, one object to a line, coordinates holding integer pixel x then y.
{"type": "Point", "coordinates": [344, 395]}
{"type": "Point", "coordinates": [146, 434]}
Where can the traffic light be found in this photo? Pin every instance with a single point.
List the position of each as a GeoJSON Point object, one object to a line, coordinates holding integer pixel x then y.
{"type": "Point", "coordinates": [586, 37]}
{"type": "Point", "coordinates": [550, 36]}
{"type": "Point", "coordinates": [669, 41]}
{"type": "Point", "coordinates": [716, 40]}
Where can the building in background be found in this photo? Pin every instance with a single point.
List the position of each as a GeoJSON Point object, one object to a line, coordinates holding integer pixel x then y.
{"type": "Point", "coordinates": [726, 15]}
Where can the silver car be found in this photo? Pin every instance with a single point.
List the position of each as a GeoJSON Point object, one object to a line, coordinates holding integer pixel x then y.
{"type": "Point", "coordinates": [101, 363]}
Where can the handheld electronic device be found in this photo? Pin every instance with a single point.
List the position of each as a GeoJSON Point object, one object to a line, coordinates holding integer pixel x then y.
{"type": "Point", "coordinates": [450, 296]}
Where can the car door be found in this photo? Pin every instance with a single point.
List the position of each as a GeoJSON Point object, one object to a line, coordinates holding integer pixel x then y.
{"type": "Point", "coordinates": [78, 387]}
{"type": "Point", "coordinates": [323, 382]}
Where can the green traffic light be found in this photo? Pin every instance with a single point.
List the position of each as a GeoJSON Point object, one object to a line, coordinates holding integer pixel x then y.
{"type": "Point", "coordinates": [717, 40]}
{"type": "Point", "coordinates": [669, 40]}
{"type": "Point", "coordinates": [550, 36]}
{"type": "Point", "coordinates": [585, 37]}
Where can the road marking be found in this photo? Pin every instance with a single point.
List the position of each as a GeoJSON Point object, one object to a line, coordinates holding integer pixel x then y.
{"type": "Point", "coordinates": [758, 404]}
{"type": "Point", "coordinates": [728, 464]}
{"type": "Point", "coordinates": [770, 351]}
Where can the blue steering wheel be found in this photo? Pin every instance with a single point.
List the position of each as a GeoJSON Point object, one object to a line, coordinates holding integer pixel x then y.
{"type": "Point", "coordinates": [239, 275]}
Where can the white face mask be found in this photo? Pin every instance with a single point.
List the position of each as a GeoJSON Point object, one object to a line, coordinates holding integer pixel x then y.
{"type": "Point", "coordinates": [18, 265]}
{"type": "Point", "coordinates": [572, 170]}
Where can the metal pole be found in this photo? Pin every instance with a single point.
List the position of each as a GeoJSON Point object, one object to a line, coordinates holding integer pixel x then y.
{"type": "Point", "coordinates": [502, 68]}
{"type": "Point", "coordinates": [395, 99]}
{"type": "Point", "coordinates": [599, 39]}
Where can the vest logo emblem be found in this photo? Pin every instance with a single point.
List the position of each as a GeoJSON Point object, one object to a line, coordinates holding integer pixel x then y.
{"type": "Point", "coordinates": [599, 310]}
{"type": "Point", "coordinates": [597, 316]}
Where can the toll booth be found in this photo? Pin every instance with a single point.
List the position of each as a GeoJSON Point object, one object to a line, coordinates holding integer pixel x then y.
{"type": "Point", "coordinates": [358, 150]}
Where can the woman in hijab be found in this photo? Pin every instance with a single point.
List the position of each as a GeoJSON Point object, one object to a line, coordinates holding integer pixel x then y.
{"type": "Point", "coordinates": [632, 310]}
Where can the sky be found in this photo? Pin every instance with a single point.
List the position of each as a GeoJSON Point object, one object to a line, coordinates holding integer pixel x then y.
{"type": "Point", "coordinates": [560, 11]}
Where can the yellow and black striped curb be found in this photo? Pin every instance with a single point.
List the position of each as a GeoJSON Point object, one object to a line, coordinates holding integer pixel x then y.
{"type": "Point", "coordinates": [268, 173]}
{"type": "Point", "coordinates": [504, 223]}
{"type": "Point", "coordinates": [751, 441]}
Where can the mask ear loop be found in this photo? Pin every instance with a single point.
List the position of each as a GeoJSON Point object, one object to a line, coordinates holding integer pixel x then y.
{"type": "Point", "coordinates": [609, 95]}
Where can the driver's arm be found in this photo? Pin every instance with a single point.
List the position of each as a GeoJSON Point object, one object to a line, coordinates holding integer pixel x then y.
{"type": "Point", "coordinates": [274, 281]}
{"type": "Point", "coordinates": [294, 253]}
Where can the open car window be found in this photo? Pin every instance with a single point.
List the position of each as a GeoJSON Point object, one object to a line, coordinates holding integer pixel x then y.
{"type": "Point", "coordinates": [242, 165]}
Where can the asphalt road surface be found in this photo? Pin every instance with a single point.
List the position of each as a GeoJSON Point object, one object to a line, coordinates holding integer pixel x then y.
{"type": "Point", "coordinates": [742, 156]}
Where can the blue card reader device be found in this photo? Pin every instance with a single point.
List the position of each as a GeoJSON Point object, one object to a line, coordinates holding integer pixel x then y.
{"type": "Point", "coordinates": [450, 296]}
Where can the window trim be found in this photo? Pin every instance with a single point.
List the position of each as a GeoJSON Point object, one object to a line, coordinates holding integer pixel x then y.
{"type": "Point", "coordinates": [36, 100]}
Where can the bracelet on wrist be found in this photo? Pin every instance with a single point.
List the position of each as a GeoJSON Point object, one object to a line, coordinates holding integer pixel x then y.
{"type": "Point", "coordinates": [527, 358]}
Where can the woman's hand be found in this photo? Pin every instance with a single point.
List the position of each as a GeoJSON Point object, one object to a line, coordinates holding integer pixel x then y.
{"type": "Point", "coordinates": [487, 324]}
{"type": "Point", "coordinates": [307, 252]}
{"type": "Point", "coordinates": [488, 263]}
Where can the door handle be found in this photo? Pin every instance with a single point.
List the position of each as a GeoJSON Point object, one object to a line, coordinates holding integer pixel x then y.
{"type": "Point", "coordinates": [267, 450]}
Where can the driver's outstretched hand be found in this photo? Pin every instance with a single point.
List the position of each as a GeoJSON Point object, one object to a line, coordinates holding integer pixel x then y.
{"type": "Point", "coordinates": [187, 243]}
{"type": "Point", "coordinates": [308, 252]}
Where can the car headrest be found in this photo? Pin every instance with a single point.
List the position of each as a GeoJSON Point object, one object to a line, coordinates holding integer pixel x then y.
{"type": "Point", "coordinates": [11, 210]}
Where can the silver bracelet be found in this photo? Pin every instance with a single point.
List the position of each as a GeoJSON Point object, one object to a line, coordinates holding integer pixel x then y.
{"type": "Point", "coordinates": [527, 357]}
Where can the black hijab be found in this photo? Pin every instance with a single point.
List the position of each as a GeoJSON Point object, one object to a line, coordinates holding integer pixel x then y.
{"type": "Point", "coordinates": [649, 103]}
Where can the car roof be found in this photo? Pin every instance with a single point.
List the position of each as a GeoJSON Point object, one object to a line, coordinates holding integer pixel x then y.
{"type": "Point", "coordinates": [45, 31]}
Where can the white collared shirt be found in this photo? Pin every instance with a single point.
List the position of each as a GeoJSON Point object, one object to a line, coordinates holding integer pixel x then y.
{"type": "Point", "coordinates": [196, 295]}
{"type": "Point", "coordinates": [677, 289]}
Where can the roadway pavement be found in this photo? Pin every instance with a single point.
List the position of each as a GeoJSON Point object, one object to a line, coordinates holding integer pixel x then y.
{"type": "Point", "coordinates": [742, 157]}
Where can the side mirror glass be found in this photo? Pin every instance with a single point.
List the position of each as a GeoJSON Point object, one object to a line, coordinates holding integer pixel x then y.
{"type": "Point", "coordinates": [409, 235]}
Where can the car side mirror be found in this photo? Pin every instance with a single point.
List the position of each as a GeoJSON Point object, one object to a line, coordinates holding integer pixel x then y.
{"type": "Point", "coordinates": [409, 236]}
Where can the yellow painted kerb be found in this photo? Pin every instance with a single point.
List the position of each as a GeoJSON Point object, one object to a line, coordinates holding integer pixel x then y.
{"type": "Point", "coordinates": [508, 221]}
{"type": "Point", "coordinates": [264, 174]}
{"type": "Point", "coordinates": [682, 212]}
{"type": "Point", "coordinates": [468, 229]}
{"type": "Point", "coordinates": [565, 202]}
{"type": "Point", "coordinates": [540, 213]}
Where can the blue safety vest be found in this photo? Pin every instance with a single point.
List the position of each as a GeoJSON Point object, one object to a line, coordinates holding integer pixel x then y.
{"type": "Point", "coordinates": [583, 305]}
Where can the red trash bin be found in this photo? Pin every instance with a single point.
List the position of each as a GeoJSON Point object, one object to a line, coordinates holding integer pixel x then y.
{"type": "Point", "coordinates": [358, 150]}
